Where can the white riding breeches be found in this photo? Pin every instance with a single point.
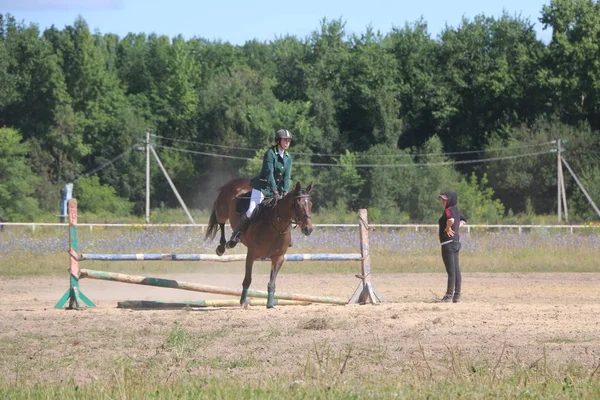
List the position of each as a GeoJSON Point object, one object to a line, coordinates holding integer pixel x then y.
{"type": "Point", "coordinates": [255, 199]}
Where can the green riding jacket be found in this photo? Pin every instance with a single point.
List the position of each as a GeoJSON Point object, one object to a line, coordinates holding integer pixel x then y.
{"type": "Point", "coordinates": [275, 173]}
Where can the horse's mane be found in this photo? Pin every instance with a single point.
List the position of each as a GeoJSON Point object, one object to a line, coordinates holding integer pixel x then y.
{"type": "Point", "coordinates": [270, 203]}
{"type": "Point", "coordinates": [264, 207]}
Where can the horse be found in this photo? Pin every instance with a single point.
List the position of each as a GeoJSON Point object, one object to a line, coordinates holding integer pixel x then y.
{"type": "Point", "coordinates": [268, 234]}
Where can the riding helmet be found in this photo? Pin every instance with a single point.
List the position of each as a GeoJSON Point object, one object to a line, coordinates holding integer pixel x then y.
{"type": "Point", "coordinates": [283, 134]}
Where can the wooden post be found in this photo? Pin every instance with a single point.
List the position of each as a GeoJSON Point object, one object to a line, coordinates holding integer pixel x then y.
{"type": "Point", "coordinates": [366, 291]}
{"type": "Point", "coordinates": [75, 297]}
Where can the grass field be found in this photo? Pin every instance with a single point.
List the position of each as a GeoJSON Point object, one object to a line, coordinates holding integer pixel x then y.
{"type": "Point", "coordinates": [43, 251]}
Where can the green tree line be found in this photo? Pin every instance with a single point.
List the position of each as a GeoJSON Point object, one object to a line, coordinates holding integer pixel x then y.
{"type": "Point", "coordinates": [382, 121]}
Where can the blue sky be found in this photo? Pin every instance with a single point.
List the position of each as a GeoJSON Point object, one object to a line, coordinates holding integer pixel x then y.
{"type": "Point", "coordinates": [238, 21]}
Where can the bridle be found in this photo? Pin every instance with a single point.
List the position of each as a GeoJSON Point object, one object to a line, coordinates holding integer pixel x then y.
{"type": "Point", "coordinates": [298, 215]}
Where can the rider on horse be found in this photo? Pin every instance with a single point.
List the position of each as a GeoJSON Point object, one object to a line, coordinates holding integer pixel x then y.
{"type": "Point", "coordinates": [273, 180]}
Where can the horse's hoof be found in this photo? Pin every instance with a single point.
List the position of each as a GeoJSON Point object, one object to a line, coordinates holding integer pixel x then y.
{"type": "Point", "coordinates": [231, 244]}
{"type": "Point", "coordinates": [244, 306]}
{"type": "Point", "coordinates": [220, 250]}
{"type": "Point", "coordinates": [270, 306]}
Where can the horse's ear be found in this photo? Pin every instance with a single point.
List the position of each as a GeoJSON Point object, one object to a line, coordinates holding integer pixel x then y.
{"type": "Point", "coordinates": [298, 187]}
{"type": "Point", "coordinates": [309, 188]}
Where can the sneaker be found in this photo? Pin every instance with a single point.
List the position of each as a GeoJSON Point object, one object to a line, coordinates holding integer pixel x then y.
{"type": "Point", "coordinates": [445, 299]}
{"type": "Point", "coordinates": [456, 298]}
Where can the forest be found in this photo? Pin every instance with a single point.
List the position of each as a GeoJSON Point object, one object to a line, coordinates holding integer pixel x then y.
{"type": "Point", "coordinates": [381, 120]}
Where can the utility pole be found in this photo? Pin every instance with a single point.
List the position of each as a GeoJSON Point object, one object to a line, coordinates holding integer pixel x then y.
{"type": "Point", "coordinates": [558, 179]}
{"type": "Point", "coordinates": [582, 188]}
{"type": "Point", "coordinates": [561, 194]}
{"type": "Point", "coordinates": [150, 149]}
{"type": "Point", "coordinates": [147, 176]}
{"type": "Point", "coordinates": [164, 171]}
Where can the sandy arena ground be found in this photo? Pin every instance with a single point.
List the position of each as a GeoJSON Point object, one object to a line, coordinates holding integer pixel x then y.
{"type": "Point", "coordinates": [505, 321]}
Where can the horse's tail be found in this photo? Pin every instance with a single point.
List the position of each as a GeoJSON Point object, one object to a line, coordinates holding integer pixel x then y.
{"type": "Point", "coordinates": [213, 224]}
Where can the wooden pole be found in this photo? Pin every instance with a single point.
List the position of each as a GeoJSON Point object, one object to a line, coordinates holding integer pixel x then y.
{"type": "Point", "coordinates": [197, 287]}
{"type": "Point", "coordinates": [216, 258]}
{"type": "Point", "coordinates": [152, 304]}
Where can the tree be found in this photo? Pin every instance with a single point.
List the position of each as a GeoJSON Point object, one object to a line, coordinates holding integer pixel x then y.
{"type": "Point", "coordinates": [477, 202]}
{"type": "Point", "coordinates": [93, 197]}
{"type": "Point", "coordinates": [527, 174]}
{"type": "Point", "coordinates": [371, 114]}
{"type": "Point", "coordinates": [341, 186]}
{"type": "Point", "coordinates": [421, 94]}
{"type": "Point", "coordinates": [571, 71]}
{"type": "Point", "coordinates": [326, 73]}
{"type": "Point", "coordinates": [17, 180]}
{"type": "Point", "coordinates": [489, 69]}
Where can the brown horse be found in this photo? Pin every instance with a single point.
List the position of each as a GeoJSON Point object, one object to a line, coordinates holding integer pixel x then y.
{"type": "Point", "coordinates": [269, 230]}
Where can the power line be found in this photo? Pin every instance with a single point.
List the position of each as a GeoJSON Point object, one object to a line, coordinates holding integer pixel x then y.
{"type": "Point", "coordinates": [361, 155]}
{"type": "Point", "coordinates": [479, 160]}
{"type": "Point", "coordinates": [202, 153]}
{"type": "Point", "coordinates": [476, 161]}
{"type": "Point", "coordinates": [205, 144]}
{"type": "Point", "coordinates": [106, 164]}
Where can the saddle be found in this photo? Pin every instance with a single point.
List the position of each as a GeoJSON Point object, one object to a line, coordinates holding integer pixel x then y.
{"type": "Point", "coordinates": [243, 201]}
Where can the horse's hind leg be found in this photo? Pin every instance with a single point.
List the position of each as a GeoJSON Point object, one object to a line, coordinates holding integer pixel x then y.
{"type": "Point", "coordinates": [222, 241]}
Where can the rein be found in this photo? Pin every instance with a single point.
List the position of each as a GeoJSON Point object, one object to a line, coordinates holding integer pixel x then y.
{"type": "Point", "coordinates": [292, 220]}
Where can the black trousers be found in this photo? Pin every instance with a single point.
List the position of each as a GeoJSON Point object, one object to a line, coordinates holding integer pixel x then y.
{"type": "Point", "coordinates": [450, 253]}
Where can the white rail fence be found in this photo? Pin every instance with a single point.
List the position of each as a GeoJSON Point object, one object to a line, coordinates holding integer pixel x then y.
{"type": "Point", "coordinates": [415, 227]}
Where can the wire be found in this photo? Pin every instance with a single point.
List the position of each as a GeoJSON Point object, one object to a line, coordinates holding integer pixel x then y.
{"type": "Point", "coordinates": [202, 153]}
{"type": "Point", "coordinates": [480, 160]}
{"type": "Point", "coordinates": [206, 144]}
{"type": "Point", "coordinates": [362, 155]}
{"type": "Point", "coordinates": [106, 164]}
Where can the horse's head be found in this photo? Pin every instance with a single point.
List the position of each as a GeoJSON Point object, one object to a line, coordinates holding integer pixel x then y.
{"type": "Point", "coordinates": [302, 208]}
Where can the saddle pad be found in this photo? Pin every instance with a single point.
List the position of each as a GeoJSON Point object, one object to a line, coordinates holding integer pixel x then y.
{"type": "Point", "coordinates": [242, 203]}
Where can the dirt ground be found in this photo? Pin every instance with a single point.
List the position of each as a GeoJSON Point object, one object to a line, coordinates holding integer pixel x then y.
{"type": "Point", "coordinates": [505, 321]}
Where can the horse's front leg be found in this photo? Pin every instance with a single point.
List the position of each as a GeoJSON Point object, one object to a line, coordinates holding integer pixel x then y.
{"type": "Point", "coordinates": [275, 267]}
{"type": "Point", "coordinates": [247, 280]}
{"type": "Point", "coordinates": [222, 241]}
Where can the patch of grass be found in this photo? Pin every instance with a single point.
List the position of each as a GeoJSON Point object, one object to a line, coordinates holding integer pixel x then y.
{"type": "Point", "coordinates": [221, 363]}
{"type": "Point", "coordinates": [180, 341]}
{"type": "Point", "coordinates": [330, 372]}
{"type": "Point", "coordinates": [315, 324]}
{"type": "Point", "coordinates": [200, 388]}
{"type": "Point", "coordinates": [326, 366]}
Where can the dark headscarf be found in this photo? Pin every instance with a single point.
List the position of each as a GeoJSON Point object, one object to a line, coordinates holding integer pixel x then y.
{"type": "Point", "coordinates": [451, 198]}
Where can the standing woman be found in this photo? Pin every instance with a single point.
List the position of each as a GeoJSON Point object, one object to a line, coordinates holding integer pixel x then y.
{"type": "Point", "coordinates": [273, 180]}
{"type": "Point", "coordinates": [449, 224]}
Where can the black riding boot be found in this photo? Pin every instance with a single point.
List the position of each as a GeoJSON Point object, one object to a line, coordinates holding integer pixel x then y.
{"type": "Point", "coordinates": [236, 235]}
